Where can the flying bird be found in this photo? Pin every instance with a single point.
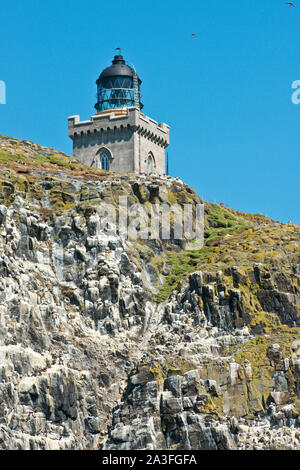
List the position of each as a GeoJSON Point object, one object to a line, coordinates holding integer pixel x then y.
{"type": "Point", "coordinates": [290, 4]}
{"type": "Point", "coordinates": [194, 35]}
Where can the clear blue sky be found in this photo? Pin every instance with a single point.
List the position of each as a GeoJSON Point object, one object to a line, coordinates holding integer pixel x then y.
{"type": "Point", "coordinates": [226, 94]}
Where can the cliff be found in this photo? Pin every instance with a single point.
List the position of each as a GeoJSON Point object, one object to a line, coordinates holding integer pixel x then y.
{"type": "Point", "coordinates": [113, 343]}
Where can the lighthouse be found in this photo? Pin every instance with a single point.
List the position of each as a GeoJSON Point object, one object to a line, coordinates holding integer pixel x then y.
{"type": "Point", "coordinates": [119, 137]}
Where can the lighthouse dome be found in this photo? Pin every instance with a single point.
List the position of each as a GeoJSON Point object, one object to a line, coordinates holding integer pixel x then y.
{"type": "Point", "coordinates": [118, 86]}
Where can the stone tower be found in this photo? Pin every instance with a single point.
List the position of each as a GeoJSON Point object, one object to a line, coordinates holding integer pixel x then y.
{"type": "Point", "coordinates": [119, 137]}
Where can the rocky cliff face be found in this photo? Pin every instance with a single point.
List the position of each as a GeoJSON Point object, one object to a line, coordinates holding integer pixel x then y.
{"type": "Point", "coordinates": [108, 343]}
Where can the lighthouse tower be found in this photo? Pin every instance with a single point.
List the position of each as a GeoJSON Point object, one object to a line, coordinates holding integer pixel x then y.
{"type": "Point", "coordinates": [119, 137]}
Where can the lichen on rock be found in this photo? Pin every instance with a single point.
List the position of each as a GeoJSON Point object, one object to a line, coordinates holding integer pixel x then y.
{"type": "Point", "coordinates": [113, 343]}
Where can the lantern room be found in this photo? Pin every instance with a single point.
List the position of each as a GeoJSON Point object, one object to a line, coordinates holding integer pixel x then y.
{"type": "Point", "coordinates": [118, 86]}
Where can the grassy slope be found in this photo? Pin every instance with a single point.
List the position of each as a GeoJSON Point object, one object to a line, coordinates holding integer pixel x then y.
{"type": "Point", "coordinates": [220, 224]}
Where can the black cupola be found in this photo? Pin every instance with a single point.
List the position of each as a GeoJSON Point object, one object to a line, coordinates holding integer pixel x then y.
{"type": "Point", "coordinates": [118, 86]}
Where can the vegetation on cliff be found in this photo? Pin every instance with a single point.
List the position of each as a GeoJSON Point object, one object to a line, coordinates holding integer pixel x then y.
{"type": "Point", "coordinates": [200, 345]}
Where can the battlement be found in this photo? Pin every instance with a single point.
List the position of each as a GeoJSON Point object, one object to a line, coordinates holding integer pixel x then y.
{"type": "Point", "coordinates": [114, 120]}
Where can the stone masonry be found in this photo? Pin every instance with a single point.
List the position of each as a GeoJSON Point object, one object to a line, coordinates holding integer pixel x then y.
{"type": "Point", "coordinates": [128, 141]}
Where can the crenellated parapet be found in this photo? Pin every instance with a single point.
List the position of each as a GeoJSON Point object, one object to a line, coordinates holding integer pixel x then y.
{"type": "Point", "coordinates": [117, 120]}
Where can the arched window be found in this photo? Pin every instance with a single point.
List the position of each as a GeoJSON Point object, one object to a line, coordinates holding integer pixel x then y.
{"type": "Point", "coordinates": [150, 164]}
{"type": "Point", "coordinates": [104, 162]}
{"type": "Point", "coordinates": [102, 159]}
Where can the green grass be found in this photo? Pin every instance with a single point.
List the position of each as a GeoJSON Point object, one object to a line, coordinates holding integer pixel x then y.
{"type": "Point", "coordinates": [54, 159]}
{"type": "Point", "coordinates": [218, 223]}
{"type": "Point", "coordinates": [182, 264]}
{"type": "Point", "coordinates": [38, 159]}
{"type": "Point", "coordinates": [221, 223]}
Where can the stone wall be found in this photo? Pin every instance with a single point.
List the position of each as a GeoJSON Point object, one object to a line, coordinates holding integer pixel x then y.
{"type": "Point", "coordinates": [120, 143]}
{"type": "Point", "coordinates": [146, 148]}
{"type": "Point", "coordinates": [129, 136]}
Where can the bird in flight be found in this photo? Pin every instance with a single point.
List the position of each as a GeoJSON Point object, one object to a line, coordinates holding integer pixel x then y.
{"type": "Point", "coordinates": [194, 35]}
{"type": "Point", "coordinates": [290, 4]}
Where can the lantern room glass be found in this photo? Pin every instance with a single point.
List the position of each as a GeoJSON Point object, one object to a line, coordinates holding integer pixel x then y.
{"type": "Point", "coordinates": [115, 92]}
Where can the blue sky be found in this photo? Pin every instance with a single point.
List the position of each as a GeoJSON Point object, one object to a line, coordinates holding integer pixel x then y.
{"type": "Point", "coordinates": [226, 94]}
